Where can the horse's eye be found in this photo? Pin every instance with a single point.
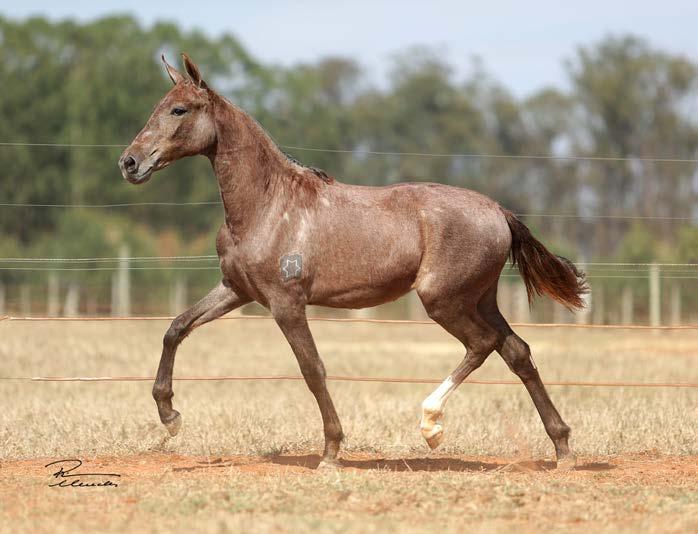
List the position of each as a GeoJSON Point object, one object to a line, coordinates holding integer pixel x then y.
{"type": "Point", "coordinates": [179, 111]}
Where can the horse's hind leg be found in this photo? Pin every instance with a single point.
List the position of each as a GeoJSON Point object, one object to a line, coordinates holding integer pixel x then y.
{"type": "Point", "coordinates": [463, 321]}
{"type": "Point", "coordinates": [517, 355]}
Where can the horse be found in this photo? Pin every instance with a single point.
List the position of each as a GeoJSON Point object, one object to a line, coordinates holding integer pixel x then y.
{"type": "Point", "coordinates": [294, 236]}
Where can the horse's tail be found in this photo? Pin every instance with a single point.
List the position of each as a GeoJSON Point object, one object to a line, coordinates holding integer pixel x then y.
{"type": "Point", "coordinates": [542, 271]}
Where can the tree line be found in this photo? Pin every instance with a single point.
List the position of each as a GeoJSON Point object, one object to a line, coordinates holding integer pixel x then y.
{"type": "Point", "coordinates": [95, 83]}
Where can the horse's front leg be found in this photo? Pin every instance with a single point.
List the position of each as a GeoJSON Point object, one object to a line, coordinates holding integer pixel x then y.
{"type": "Point", "coordinates": [220, 300]}
{"type": "Point", "coordinates": [294, 325]}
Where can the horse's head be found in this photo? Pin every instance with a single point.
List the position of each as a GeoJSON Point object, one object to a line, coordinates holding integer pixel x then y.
{"type": "Point", "coordinates": [181, 125]}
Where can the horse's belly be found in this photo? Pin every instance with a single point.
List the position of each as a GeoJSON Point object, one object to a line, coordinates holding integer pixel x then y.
{"type": "Point", "coordinates": [360, 296]}
{"type": "Point", "coordinates": [361, 278]}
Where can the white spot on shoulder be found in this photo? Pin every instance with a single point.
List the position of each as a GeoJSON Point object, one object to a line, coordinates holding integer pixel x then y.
{"type": "Point", "coordinates": [325, 202]}
{"type": "Point", "coordinates": [286, 216]}
{"type": "Point", "coordinates": [302, 230]}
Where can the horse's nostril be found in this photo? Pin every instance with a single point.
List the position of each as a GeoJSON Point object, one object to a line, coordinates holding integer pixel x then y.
{"type": "Point", "coordinates": [130, 164]}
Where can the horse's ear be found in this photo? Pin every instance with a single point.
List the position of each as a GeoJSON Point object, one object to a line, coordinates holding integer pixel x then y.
{"type": "Point", "coordinates": [173, 73]}
{"type": "Point", "coordinates": [193, 72]}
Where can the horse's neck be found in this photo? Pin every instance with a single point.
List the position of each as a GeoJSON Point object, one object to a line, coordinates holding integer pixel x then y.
{"type": "Point", "coordinates": [248, 165]}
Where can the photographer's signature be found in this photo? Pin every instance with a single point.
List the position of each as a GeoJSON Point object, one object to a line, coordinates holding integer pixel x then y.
{"type": "Point", "coordinates": [66, 477]}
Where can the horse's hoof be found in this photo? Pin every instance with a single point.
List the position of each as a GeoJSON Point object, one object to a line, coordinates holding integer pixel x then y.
{"type": "Point", "coordinates": [434, 437]}
{"type": "Point", "coordinates": [567, 462]}
{"type": "Point", "coordinates": [174, 424]}
{"type": "Point", "coordinates": [329, 464]}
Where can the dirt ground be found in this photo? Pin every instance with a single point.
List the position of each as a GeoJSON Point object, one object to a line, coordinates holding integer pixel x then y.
{"type": "Point", "coordinates": [648, 466]}
{"type": "Point", "coordinates": [285, 493]}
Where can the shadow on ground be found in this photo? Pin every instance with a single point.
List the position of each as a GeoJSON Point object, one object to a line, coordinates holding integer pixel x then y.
{"type": "Point", "coordinates": [311, 461]}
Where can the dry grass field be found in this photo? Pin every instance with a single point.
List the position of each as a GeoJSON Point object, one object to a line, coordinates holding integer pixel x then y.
{"type": "Point", "coordinates": [244, 459]}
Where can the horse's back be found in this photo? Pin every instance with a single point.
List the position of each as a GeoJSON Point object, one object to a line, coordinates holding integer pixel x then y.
{"type": "Point", "coordinates": [404, 235]}
{"type": "Point", "coordinates": [463, 236]}
{"type": "Point", "coordinates": [437, 212]}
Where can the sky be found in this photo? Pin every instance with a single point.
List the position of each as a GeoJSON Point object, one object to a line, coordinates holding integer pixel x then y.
{"type": "Point", "coordinates": [522, 44]}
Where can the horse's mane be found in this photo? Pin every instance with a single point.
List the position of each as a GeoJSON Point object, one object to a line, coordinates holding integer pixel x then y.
{"type": "Point", "coordinates": [317, 172]}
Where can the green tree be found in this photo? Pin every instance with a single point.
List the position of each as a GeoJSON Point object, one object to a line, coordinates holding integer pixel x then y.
{"type": "Point", "coordinates": [632, 105]}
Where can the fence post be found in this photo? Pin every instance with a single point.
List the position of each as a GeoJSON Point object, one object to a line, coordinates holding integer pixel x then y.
{"type": "Point", "coordinates": [53, 305]}
{"type": "Point", "coordinates": [676, 304]}
{"type": "Point", "coordinates": [178, 296]}
{"type": "Point", "coordinates": [2, 299]}
{"type": "Point", "coordinates": [655, 296]}
{"type": "Point", "coordinates": [71, 308]}
{"type": "Point", "coordinates": [121, 285]}
{"type": "Point", "coordinates": [598, 309]}
{"type": "Point", "coordinates": [627, 306]}
{"type": "Point", "coordinates": [114, 296]}
{"type": "Point", "coordinates": [25, 300]}
{"type": "Point", "coordinates": [582, 316]}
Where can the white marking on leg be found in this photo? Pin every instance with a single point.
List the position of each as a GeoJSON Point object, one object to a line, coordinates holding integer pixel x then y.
{"type": "Point", "coordinates": [432, 410]}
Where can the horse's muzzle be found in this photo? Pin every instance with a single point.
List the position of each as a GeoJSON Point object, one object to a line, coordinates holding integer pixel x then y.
{"type": "Point", "coordinates": [131, 169]}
